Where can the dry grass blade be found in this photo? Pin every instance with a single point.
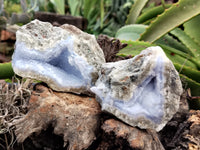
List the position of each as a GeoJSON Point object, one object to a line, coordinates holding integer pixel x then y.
{"type": "Point", "coordinates": [13, 104]}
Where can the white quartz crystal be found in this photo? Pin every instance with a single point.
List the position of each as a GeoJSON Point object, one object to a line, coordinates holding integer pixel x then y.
{"type": "Point", "coordinates": [66, 58]}
{"type": "Point", "coordinates": [143, 91]}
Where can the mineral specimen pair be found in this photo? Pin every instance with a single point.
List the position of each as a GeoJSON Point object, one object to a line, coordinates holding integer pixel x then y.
{"type": "Point", "coordinates": [143, 91]}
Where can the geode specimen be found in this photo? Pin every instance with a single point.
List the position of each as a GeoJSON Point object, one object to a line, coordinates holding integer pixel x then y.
{"type": "Point", "coordinates": [66, 58]}
{"type": "Point", "coordinates": [143, 91]}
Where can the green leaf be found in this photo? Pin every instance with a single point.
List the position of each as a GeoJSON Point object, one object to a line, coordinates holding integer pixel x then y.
{"type": "Point", "coordinates": [134, 47]}
{"type": "Point", "coordinates": [194, 87]}
{"type": "Point", "coordinates": [189, 83]}
{"type": "Point", "coordinates": [192, 29]}
{"type": "Point", "coordinates": [172, 42]}
{"type": "Point", "coordinates": [177, 59]}
{"type": "Point", "coordinates": [91, 8]}
{"type": "Point", "coordinates": [149, 21]}
{"type": "Point", "coordinates": [59, 6]}
{"type": "Point", "coordinates": [130, 32]}
{"type": "Point", "coordinates": [75, 7]}
{"type": "Point", "coordinates": [177, 14]}
{"type": "Point", "coordinates": [196, 61]}
{"type": "Point", "coordinates": [102, 13]}
{"type": "Point", "coordinates": [191, 61]}
{"type": "Point", "coordinates": [194, 48]}
{"type": "Point", "coordinates": [173, 50]}
{"type": "Point", "coordinates": [135, 11]}
{"type": "Point", "coordinates": [6, 70]}
{"type": "Point", "coordinates": [188, 71]}
{"type": "Point", "coordinates": [149, 14]}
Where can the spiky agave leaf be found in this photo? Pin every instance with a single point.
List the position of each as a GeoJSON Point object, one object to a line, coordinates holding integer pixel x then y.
{"type": "Point", "coordinates": [177, 14]}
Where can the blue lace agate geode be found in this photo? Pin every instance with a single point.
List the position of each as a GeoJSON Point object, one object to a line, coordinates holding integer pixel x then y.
{"type": "Point", "coordinates": [143, 91]}
{"type": "Point", "coordinates": [66, 58]}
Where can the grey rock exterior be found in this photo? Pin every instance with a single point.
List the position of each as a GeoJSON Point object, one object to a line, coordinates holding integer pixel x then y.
{"type": "Point", "coordinates": [143, 91]}
{"type": "Point", "coordinates": [66, 58]}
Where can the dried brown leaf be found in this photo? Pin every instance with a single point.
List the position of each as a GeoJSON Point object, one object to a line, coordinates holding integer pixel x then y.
{"type": "Point", "coordinates": [111, 47]}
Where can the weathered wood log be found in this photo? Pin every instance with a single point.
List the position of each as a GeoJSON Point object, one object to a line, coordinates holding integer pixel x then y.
{"type": "Point", "coordinates": [182, 131]}
{"type": "Point", "coordinates": [58, 20]}
{"type": "Point", "coordinates": [134, 137]}
{"type": "Point", "coordinates": [74, 117]}
{"type": "Point", "coordinates": [183, 135]}
{"type": "Point", "coordinates": [74, 120]}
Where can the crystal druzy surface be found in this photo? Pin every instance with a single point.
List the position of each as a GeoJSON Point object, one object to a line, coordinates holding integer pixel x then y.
{"type": "Point", "coordinates": [143, 91]}
{"type": "Point", "coordinates": [66, 58]}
